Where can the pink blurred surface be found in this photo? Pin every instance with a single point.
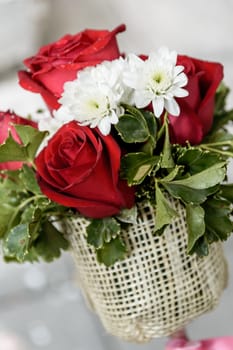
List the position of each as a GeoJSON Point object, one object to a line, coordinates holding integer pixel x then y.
{"type": "Point", "coordinates": [222, 343]}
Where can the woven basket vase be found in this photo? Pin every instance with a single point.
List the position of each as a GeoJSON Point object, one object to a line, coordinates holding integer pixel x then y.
{"type": "Point", "coordinates": [157, 289]}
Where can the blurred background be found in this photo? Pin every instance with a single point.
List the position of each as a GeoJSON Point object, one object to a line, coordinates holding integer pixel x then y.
{"type": "Point", "coordinates": [41, 306]}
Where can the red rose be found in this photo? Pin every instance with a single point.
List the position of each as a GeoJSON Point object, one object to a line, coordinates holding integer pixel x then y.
{"type": "Point", "coordinates": [60, 61]}
{"type": "Point", "coordinates": [79, 168]}
{"type": "Point", "coordinates": [7, 121]}
{"type": "Point", "coordinates": [196, 116]}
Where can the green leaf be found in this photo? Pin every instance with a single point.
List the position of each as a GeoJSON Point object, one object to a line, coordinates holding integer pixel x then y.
{"type": "Point", "coordinates": [217, 218]}
{"type": "Point", "coordinates": [136, 166]}
{"type": "Point", "coordinates": [16, 242]}
{"type": "Point", "coordinates": [196, 224]}
{"type": "Point", "coordinates": [220, 97]}
{"type": "Point", "coordinates": [188, 194]}
{"type": "Point", "coordinates": [164, 212]}
{"type": "Point", "coordinates": [218, 138]}
{"type": "Point", "coordinates": [128, 216]}
{"type": "Point", "coordinates": [133, 127]}
{"type": "Point", "coordinates": [95, 233]}
{"type": "Point", "coordinates": [28, 178]}
{"type": "Point", "coordinates": [206, 178]}
{"type": "Point", "coordinates": [167, 160]}
{"type": "Point", "coordinates": [172, 174]}
{"type": "Point", "coordinates": [6, 213]}
{"type": "Point", "coordinates": [32, 255]}
{"type": "Point", "coordinates": [151, 123]}
{"type": "Point", "coordinates": [11, 182]}
{"type": "Point", "coordinates": [32, 215]}
{"type": "Point", "coordinates": [149, 146]}
{"type": "Point", "coordinates": [101, 231]}
{"type": "Point", "coordinates": [112, 252]}
{"type": "Point", "coordinates": [50, 242]}
{"type": "Point", "coordinates": [12, 151]}
{"type": "Point", "coordinates": [31, 138]}
{"type": "Point", "coordinates": [132, 110]}
{"type": "Point", "coordinates": [220, 120]}
{"type": "Point", "coordinates": [201, 247]}
{"type": "Point", "coordinates": [28, 213]}
{"type": "Point", "coordinates": [44, 204]}
{"type": "Point", "coordinates": [197, 160]}
{"type": "Point", "coordinates": [226, 191]}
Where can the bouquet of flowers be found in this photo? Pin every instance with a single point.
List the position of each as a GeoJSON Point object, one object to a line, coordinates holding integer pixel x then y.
{"type": "Point", "coordinates": [120, 131]}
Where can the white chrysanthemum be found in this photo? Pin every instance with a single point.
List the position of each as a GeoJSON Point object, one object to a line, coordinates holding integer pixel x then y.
{"type": "Point", "coordinates": [94, 98]}
{"type": "Point", "coordinates": [98, 107]}
{"type": "Point", "coordinates": [157, 80]}
{"type": "Point", "coordinates": [108, 73]}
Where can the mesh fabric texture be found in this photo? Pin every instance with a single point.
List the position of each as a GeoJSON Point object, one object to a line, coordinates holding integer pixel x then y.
{"type": "Point", "coordinates": [158, 288]}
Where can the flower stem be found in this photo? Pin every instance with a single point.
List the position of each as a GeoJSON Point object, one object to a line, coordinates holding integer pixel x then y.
{"type": "Point", "coordinates": [215, 150]}
{"type": "Point", "coordinates": [163, 127]}
{"type": "Point", "coordinates": [220, 143]}
{"type": "Point", "coordinates": [22, 205]}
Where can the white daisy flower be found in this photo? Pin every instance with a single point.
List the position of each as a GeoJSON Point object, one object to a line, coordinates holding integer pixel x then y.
{"type": "Point", "coordinates": [95, 97]}
{"type": "Point", "coordinates": [157, 80]}
{"type": "Point", "coordinates": [96, 106]}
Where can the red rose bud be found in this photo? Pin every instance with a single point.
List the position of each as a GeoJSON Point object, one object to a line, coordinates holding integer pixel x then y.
{"type": "Point", "coordinates": [7, 121]}
{"type": "Point", "coordinates": [79, 168]}
{"type": "Point", "coordinates": [197, 109]}
{"type": "Point", "coordinates": [60, 61]}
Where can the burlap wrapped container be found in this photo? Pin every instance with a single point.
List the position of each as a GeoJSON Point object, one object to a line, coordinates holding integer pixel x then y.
{"type": "Point", "coordinates": [157, 289]}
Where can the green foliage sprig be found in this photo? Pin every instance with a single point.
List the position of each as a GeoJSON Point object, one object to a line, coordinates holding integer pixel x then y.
{"type": "Point", "coordinates": [194, 175]}
{"type": "Point", "coordinates": [28, 218]}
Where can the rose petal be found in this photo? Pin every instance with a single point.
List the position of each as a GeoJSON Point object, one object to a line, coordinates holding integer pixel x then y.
{"type": "Point", "coordinates": [28, 83]}
{"type": "Point", "coordinates": [186, 127]}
